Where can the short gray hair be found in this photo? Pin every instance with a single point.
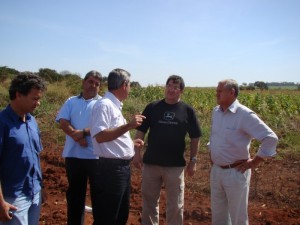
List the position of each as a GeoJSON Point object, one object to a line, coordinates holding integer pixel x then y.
{"type": "Point", "coordinates": [116, 78]}
{"type": "Point", "coordinates": [231, 84]}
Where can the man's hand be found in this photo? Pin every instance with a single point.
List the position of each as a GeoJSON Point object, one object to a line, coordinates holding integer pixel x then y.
{"type": "Point", "coordinates": [137, 159]}
{"type": "Point", "coordinates": [136, 121]}
{"type": "Point", "coordinates": [83, 142]}
{"type": "Point", "coordinates": [249, 164]}
{"type": "Point", "coordinates": [5, 207]}
{"type": "Point", "coordinates": [78, 137]}
{"type": "Point", "coordinates": [138, 144]}
{"type": "Point", "coordinates": [191, 168]}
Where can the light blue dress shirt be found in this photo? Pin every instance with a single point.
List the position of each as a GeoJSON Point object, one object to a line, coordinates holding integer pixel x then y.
{"type": "Point", "coordinates": [232, 132]}
{"type": "Point", "coordinates": [77, 111]}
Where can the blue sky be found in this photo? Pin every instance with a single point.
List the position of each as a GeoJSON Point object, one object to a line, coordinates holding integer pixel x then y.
{"type": "Point", "coordinates": [203, 41]}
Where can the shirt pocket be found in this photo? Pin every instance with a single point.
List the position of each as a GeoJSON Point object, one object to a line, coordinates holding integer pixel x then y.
{"type": "Point", "coordinates": [36, 140]}
{"type": "Point", "coordinates": [231, 135]}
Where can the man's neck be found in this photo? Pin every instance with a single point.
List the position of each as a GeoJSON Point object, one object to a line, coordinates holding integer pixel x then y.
{"type": "Point", "coordinates": [18, 111]}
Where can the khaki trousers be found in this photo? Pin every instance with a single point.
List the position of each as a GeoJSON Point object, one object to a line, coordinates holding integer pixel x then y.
{"type": "Point", "coordinates": [153, 179]}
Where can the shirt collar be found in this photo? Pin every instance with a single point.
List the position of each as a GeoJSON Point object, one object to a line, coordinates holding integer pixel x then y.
{"type": "Point", "coordinates": [14, 116]}
{"type": "Point", "coordinates": [232, 108]}
{"type": "Point", "coordinates": [113, 98]}
{"type": "Point", "coordinates": [94, 98]}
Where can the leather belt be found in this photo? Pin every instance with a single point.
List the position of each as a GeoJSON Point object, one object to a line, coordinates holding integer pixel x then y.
{"type": "Point", "coordinates": [230, 166]}
{"type": "Point", "coordinates": [115, 161]}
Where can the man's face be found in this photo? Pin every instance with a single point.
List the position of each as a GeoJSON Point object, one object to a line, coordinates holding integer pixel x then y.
{"type": "Point", "coordinates": [125, 89]}
{"type": "Point", "coordinates": [225, 97]}
{"type": "Point", "coordinates": [172, 92]}
{"type": "Point", "coordinates": [128, 88]}
{"type": "Point", "coordinates": [91, 87]}
{"type": "Point", "coordinates": [28, 103]}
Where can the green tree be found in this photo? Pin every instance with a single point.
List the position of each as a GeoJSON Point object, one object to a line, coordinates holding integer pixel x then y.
{"type": "Point", "coordinates": [6, 72]}
{"type": "Point", "coordinates": [49, 75]}
{"type": "Point", "coordinates": [135, 84]}
{"type": "Point", "coordinates": [261, 85]}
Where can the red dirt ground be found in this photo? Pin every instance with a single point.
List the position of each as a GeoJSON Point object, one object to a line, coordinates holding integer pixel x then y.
{"type": "Point", "coordinates": [274, 194]}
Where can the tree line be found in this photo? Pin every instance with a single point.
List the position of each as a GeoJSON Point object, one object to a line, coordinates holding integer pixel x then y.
{"type": "Point", "coordinates": [51, 76]}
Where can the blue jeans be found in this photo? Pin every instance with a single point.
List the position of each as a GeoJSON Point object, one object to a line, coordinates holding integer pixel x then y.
{"type": "Point", "coordinates": [28, 212]}
{"type": "Point", "coordinates": [112, 192]}
{"type": "Point", "coordinates": [79, 171]}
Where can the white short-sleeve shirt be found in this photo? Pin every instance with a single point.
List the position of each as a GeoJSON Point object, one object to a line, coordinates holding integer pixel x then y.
{"type": "Point", "coordinates": [107, 114]}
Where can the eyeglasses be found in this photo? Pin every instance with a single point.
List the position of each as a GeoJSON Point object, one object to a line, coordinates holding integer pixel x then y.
{"type": "Point", "coordinates": [171, 87]}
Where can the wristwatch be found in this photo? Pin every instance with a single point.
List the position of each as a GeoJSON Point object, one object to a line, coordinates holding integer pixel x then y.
{"type": "Point", "coordinates": [193, 159]}
{"type": "Point", "coordinates": [85, 133]}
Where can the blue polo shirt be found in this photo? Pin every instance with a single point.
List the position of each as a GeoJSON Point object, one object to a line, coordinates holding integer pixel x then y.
{"type": "Point", "coordinates": [77, 111]}
{"type": "Point", "coordinates": [20, 145]}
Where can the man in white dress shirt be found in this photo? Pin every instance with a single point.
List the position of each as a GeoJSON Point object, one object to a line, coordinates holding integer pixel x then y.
{"type": "Point", "coordinates": [115, 148]}
{"type": "Point", "coordinates": [233, 127]}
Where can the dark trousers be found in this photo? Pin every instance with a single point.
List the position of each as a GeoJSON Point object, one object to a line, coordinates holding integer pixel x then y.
{"type": "Point", "coordinates": [79, 171]}
{"type": "Point", "coordinates": [112, 193]}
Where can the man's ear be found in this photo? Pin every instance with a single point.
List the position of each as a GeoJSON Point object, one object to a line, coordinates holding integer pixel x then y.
{"type": "Point", "coordinates": [124, 85]}
{"type": "Point", "coordinates": [232, 91]}
{"type": "Point", "coordinates": [18, 95]}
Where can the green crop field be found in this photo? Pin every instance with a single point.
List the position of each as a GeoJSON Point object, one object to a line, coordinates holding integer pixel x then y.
{"type": "Point", "coordinates": [280, 109]}
{"type": "Point", "coordinates": [275, 186]}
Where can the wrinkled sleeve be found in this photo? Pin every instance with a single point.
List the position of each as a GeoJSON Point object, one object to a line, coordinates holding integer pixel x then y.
{"type": "Point", "coordinates": [257, 129]}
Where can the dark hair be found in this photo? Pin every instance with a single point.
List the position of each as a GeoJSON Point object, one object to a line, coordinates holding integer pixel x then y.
{"type": "Point", "coordinates": [231, 84]}
{"type": "Point", "coordinates": [24, 82]}
{"type": "Point", "coordinates": [93, 73]}
{"type": "Point", "coordinates": [116, 78]}
{"type": "Point", "coordinates": [177, 80]}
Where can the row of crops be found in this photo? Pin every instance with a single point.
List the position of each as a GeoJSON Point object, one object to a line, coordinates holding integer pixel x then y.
{"type": "Point", "coordinates": [280, 109]}
{"type": "Point", "coordinates": [268, 104]}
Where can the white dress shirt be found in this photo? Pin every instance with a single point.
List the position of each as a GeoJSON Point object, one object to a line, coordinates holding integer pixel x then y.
{"type": "Point", "coordinates": [107, 114]}
{"type": "Point", "coordinates": [232, 132]}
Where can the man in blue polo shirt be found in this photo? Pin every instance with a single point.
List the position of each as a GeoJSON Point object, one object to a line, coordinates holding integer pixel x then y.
{"type": "Point", "coordinates": [80, 160]}
{"type": "Point", "coordinates": [20, 146]}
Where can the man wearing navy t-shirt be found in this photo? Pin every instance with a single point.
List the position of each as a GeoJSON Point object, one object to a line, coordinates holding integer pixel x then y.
{"type": "Point", "coordinates": [169, 121]}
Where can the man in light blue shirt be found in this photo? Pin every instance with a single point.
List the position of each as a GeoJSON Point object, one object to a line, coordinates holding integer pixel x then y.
{"type": "Point", "coordinates": [80, 160]}
{"type": "Point", "coordinates": [233, 127]}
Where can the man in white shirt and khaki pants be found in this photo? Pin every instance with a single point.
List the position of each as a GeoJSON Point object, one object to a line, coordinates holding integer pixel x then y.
{"type": "Point", "coordinates": [233, 127]}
